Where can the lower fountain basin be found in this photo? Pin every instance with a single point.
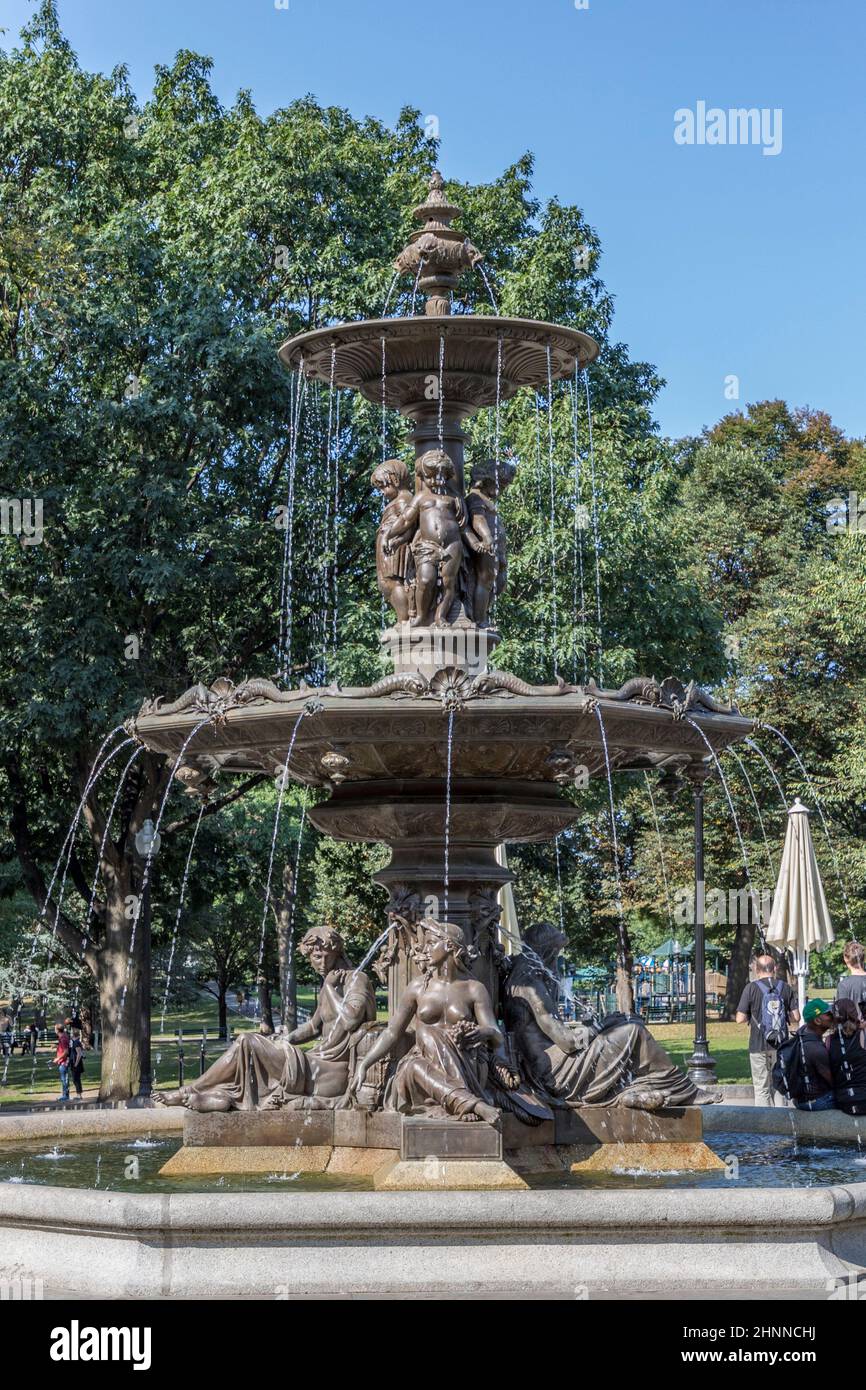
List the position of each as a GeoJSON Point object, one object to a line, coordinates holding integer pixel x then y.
{"type": "Point", "coordinates": [567, 1236]}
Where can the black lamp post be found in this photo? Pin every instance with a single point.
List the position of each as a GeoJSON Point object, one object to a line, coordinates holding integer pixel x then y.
{"type": "Point", "coordinates": [701, 1066]}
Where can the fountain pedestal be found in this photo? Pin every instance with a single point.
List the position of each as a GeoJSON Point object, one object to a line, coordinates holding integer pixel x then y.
{"type": "Point", "coordinates": [430, 649]}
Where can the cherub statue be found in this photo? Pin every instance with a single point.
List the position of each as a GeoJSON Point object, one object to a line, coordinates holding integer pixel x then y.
{"type": "Point", "coordinates": [489, 478]}
{"type": "Point", "coordinates": [261, 1073]}
{"type": "Point", "coordinates": [395, 569]}
{"type": "Point", "coordinates": [437, 520]}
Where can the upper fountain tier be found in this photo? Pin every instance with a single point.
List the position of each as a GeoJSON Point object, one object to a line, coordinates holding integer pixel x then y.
{"type": "Point", "coordinates": [474, 360]}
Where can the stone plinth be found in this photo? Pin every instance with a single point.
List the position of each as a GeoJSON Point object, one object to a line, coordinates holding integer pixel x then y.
{"type": "Point", "coordinates": [434, 1153]}
{"type": "Point", "coordinates": [432, 649]}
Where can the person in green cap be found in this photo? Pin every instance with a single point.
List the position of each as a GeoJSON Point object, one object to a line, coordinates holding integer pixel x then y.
{"type": "Point", "coordinates": [818, 1022]}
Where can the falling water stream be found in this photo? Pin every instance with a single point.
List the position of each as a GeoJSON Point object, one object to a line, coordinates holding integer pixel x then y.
{"type": "Point", "coordinates": [595, 531]}
{"type": "Point", "coordinates": [649, 788]}
{"type": "Point", "coordinates": [551, 471]}
{"type": "Point", "coordinates": [178, 914]}
{"type": "Point", "coordinates": [484, 276]}
{"type": "Point", "coordinates": [616, 864]}
{"type": "Point", "coordinates": [448, 808]}
{"type": "Point", "coordinates": [743, 769]}
{"type": "Point", "coordinates": [755, 900]}
{"type": "Point", "coordinates": [578, 578]}
{"type": "Point", "coordinates": [282, 790]}
{"type": "Point", "coordinates": [145, 880]}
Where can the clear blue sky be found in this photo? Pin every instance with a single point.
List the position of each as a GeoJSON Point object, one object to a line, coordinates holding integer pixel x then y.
{"type": "Point", "coordinates": [723, 260]}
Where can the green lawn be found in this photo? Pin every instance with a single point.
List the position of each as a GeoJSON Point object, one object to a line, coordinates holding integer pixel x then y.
{"type": "Point", "coordinates": [729, 1044]}
{"type": "Point", "coordinates": [27, 1083]}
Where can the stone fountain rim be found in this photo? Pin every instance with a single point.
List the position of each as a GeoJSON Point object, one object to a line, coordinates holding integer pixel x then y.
{"type": "Point", "coordinates": [150, 1245]}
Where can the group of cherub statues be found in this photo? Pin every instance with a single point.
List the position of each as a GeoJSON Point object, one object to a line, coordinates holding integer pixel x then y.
{"type": "Point", "coordinates": [440, 556]}
{"type": "Point", "coordinates": [444, 1053]}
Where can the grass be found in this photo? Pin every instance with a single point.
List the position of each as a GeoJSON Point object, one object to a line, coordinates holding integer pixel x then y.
{"type": "Point", "coordinates": [27, 1084]}
{"type": "Point", "coordinates": [729, 1045]}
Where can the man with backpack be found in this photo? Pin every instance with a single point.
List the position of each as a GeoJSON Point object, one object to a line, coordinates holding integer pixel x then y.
{"type": "Point", "coordinates": [768, 1005]}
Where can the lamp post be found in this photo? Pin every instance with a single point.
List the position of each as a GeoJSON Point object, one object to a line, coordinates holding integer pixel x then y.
{"type": "Point", "coordinates": [701, 1065]}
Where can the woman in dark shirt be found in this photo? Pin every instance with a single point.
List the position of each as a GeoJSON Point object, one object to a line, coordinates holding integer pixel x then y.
{"type": "Point", "coordinates": [848, 1058]}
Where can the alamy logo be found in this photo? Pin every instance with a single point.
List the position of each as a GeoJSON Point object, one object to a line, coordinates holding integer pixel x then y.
{"type": "Point", "coordinates": [739, 125]}
{"type": "Point", "coordinates": [77, 1343]}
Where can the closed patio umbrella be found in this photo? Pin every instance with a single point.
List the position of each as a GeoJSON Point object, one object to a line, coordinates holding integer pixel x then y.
{"type": "Point", "coordinates": [800, 919]}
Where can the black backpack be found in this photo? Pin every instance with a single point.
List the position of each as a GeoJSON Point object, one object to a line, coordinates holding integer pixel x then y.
{"type": "Point", "coordinates": [76, 1053]}
{"type": "Point", "coordinates": [774, 1015]}
{"type": "Point", "coordinates": [789, 1071]}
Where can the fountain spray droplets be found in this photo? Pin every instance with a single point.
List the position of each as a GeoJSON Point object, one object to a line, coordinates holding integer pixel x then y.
{"type": "Point", "coordinates": [649, 787]}
{"type": "Point", "coordinates": [441, 422]}
{"type": "Point", "coordinates": [559, 884]}
{"type": "Point", "coordinates": [101, 854]}
{"type": "Point", "coordinates": [496, 457]}
{"type": "Point", "coordinates": [817, 800]}
{"type": "Point", "coordinates": [178, 914]}
{"type": "Point", "coordinates": [595, 532]}
{"type": "Point", "coordinates": [282, 789]}
{"type": "Point", "coordinates": [578, 579]}
{"type": "Point", "coordinates": [337, 500]}
{"type": "Point", "coordinates": [145, 882]}
{"type": "Point", "coordinates": [744, 770]}
{"type": "Point", "coordinates": [384, 403]}
{"type": "Point", "coordinates": [621, 950]}
{"type": "Point", "coordinates": [448, 756]}
{"type": "Point", "coordinates": [421, 264]}
{"type": "Point", "coordinates": [284, 657]}
{"type": "Point", "coordinates": [66, 852]}
{"type": "Point", "coordinates": [750, 743]}
{"type": "Point", "coordinates": [92, 777]}
{"type": "Point", "coordinates": [395, 278]}
{"type": "Point", "coordinates": [753, 896]}
{"type": "Point", "coordinates": [551, 471]}
{"type": "Point", "coordinates": [479, 265]}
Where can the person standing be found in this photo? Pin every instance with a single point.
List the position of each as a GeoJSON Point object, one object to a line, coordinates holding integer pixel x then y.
{"type": "Point", "coordinates": [853, 985]}
{"type": "Point", "coordinates": [76, 1060]}
{"type": "Point", "coordinates": [768, 1005]}
{"type": "Point", "coordinates": [61, 1059]}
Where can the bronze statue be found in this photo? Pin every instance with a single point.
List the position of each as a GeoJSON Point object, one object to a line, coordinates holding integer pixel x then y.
{"type": "Point", "coordinates": [456, 1066]}
{"type": "Point", "coordinates": [262, 1073]}
{"type": "Point", "coordinates": [395, 569]}
{"type": "Point", "coordinates": [437, 521]}
{"type": "Point", "coordinates": [616, 1063]}
{"type": "Point", "coordinates": [489, 479]}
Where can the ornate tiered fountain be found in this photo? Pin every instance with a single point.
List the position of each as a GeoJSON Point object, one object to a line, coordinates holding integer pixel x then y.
{"type": "Point", "coordinates": [444, 760]}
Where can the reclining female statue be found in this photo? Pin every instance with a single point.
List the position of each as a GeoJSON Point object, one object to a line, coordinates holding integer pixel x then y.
{"type": "Point", "coordinates": [262, 1073]}
{"type": "Point", "coordinates": [453, 1068]}
{"type": "Point", "coordinates": [616, 1063]}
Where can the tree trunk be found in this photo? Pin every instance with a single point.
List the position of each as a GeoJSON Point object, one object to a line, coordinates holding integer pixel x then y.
{"type": "Point", "coordinates": [124, 999]}
{"type": "Point", "coordinates": [624, 974]}
{"type": "Point", "coordinates": [222, 1009]}
{"type": "Point", "coordinates": [266, 1013]}
{"type": "Point", "coordinates": [738, 967]}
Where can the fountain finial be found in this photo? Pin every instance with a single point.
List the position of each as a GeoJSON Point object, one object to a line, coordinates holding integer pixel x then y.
{"type": "Point", "coordinates": [438, 253]}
